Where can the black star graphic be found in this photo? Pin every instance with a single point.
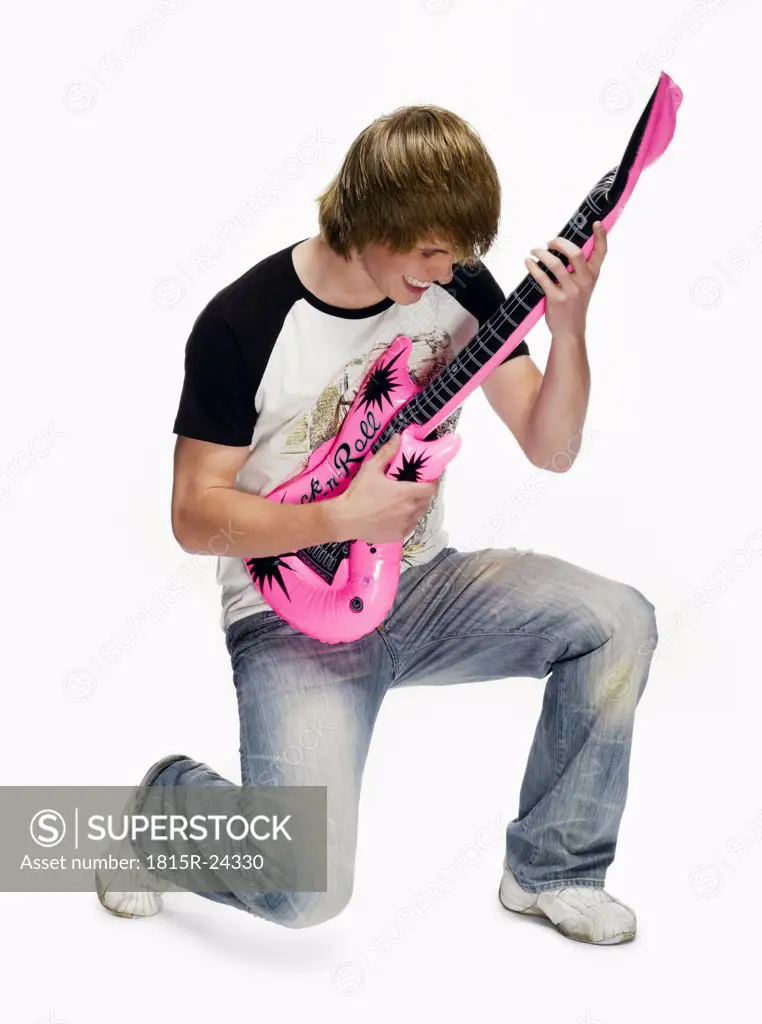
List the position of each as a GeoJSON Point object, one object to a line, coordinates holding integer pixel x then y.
{"type": "Point", "coordinates": [380, 385]}
{"type": "Point", "coordinates": [410, 469]}
{"type": "Point", "coordinates": [268, 569]}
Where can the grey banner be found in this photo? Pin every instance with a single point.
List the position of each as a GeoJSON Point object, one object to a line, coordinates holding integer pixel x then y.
{"type": "Point", "coordinates": [221, 838]}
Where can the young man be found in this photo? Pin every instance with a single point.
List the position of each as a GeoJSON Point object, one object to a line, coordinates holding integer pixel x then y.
{"type": "Point", "coordinates": [272, 364]}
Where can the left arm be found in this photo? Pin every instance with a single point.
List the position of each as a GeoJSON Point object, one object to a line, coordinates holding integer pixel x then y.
{"type": "Point", "coordinates": [546, 413]}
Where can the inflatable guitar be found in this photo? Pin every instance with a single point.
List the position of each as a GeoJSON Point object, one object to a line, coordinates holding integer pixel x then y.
{"type": "Point", "coordinates": [338, 592]}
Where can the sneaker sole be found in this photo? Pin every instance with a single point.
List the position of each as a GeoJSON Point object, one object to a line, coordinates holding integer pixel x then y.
{"type": "Point", "coordinates": [615, 940]}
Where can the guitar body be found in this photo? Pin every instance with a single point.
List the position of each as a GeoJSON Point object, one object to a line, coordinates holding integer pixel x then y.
{"type": "Point", "coordinates": [339, 592]}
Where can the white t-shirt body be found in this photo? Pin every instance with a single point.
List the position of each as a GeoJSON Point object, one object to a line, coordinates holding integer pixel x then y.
{"type": "Point", "coordinates": [271, 366]}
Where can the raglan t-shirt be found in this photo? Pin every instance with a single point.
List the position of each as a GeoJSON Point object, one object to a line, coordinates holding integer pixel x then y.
{"type": "Point", "coordinates": [271, 366]}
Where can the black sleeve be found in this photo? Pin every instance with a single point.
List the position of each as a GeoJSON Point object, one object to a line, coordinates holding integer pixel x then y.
{"type": "Point", "coordinates": [478, 292]}
{"type": "Point", "coordinates": [216, 402]}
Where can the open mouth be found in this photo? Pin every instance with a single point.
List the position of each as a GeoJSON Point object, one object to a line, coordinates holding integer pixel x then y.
{"type": "Point", "coordinates": [416, 289]}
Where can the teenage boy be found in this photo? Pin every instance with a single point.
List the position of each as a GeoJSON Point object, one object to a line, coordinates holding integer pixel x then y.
{"type": "Point", "coordinates": [272, 364]}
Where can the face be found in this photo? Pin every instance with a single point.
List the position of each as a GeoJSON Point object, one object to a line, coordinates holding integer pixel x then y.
{"type": "Point", "coordinates": [405, 277]}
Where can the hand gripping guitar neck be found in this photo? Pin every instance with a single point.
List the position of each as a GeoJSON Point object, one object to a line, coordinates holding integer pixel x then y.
{"type": "Point", "coordinates": [338, 592]}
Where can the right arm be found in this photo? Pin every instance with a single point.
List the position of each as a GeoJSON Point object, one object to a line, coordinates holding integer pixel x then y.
{"type": "Point", "coordinates": [210, 516]}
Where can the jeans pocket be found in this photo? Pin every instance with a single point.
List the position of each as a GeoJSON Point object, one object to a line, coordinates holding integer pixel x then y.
{"type": "Point", "coordinates": [243, 633]}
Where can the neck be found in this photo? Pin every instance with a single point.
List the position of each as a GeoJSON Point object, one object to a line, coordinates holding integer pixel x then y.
{"type": "Point", "coordinates": [339, 282]}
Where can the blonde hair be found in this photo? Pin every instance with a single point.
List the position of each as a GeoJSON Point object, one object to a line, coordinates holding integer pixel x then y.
{"type": "Point", "coordinates": [420, 172]}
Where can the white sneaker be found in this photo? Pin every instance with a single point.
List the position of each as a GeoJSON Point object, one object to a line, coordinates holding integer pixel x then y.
{"type": "Point", "coordinates": [583, 912]}
{"type": "Point", "coordinates": [142, 901]}
{"type": "Point", "coordinates": [128, 904]}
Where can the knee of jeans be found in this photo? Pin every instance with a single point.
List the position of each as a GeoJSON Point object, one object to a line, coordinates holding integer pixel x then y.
{"type": "Point", "coordinates": [640, 618]}
{"type": "Point", "coordinates": [622, 612]}
{"type": "Point", "coordinates": [635, 636]}
{"type": "Point", "coordinates": [299, 909]}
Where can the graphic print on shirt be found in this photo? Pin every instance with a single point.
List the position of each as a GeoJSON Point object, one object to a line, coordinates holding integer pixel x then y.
{"type": "Point", "coordinates": [431, 351]}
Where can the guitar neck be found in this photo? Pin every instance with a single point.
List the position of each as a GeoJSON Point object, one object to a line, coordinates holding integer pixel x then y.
{"type": "Point", "coordinates": [498, 337]}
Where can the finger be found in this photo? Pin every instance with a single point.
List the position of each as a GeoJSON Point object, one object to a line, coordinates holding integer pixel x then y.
{"type": "Point", "coordinates": [551, 290]}
{"type": "Point", "coordinates": [573, 253]}
{"type": "Point", "coordinates": [549, 263]}
{"type": "Point", "coordinates": [566, 281]}
{"type": "Point", "coordinates": [600, 247]}
{"type": "Point", "coordinates": [385, 451]}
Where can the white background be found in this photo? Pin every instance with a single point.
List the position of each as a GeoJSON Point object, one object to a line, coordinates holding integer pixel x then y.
{"type": "Point", "coordinates": [132, 137]}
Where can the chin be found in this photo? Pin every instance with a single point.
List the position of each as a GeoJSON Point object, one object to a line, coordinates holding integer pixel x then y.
{"type": "Point", "coordinates": [405, 298]}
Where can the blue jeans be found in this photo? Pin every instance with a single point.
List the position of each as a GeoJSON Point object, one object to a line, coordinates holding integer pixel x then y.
{"type": "Point", "coordinates": [307, 708]}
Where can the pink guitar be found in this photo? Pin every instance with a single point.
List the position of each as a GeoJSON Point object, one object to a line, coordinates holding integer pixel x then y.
{"type": "Point", "coordinates": [339, 592]}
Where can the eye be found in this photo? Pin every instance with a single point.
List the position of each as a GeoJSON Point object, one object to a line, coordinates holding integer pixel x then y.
{"type": "Point", "coordinates": [428, 255]}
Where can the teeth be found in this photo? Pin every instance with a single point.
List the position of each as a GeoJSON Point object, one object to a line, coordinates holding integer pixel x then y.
{"type": "Point", "coordinates": [416, 283]}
